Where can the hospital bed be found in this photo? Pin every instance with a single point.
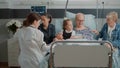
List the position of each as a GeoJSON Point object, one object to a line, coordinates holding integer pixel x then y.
{"type": "Point", "coordinates": [78, 54]}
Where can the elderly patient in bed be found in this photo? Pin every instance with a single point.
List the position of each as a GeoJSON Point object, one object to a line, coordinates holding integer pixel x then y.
{"type": "Point", "coordinates": [67, 32]}
{"type": "Point", "coordinates": [81, 29]}
{"type": "Point", "coordinates": [80, 32]}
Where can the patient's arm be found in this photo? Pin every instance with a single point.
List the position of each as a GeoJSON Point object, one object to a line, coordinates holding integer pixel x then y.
{"type": "Point", "coordinates": [58, 37]}
{"type": "Point", "coordinates": [96, 32]}
{"type": "Point", "coordinates": [76, 37]}
{"type": "Point", "coordinates": [108, 45]}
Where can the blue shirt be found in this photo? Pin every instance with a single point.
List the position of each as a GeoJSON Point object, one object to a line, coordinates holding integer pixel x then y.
{"type": "Point", "coordinates": [115, 35]}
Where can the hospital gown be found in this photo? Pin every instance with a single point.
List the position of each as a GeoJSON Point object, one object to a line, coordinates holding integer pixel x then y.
{"type": "Point", "coordinates": [86, 33]}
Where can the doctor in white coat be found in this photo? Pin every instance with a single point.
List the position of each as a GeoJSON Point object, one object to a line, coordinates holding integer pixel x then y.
{"type": "Point", "coordinates": [32, 47]}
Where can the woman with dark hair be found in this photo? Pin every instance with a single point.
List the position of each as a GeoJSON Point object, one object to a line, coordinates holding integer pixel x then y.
{"type": "Point", "coordinates": [47, 28]}
{"type": "Point", "coordinates": [31, 43]}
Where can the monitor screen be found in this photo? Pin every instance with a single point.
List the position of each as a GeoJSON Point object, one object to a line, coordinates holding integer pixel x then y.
{"type": "Point", "coordinates": [39, 9]}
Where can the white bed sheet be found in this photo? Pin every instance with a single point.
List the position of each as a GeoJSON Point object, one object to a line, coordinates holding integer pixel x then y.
{"type": "Point", "coordinates": [71, 43]}
{"type": "Point", "coordinates": [74, 44]}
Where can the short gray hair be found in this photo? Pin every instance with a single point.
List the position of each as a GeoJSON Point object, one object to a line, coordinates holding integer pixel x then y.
{"type": "Point", "coordinates": [79, 14]}
{"type": "Point", "coordinates": [112, 15]}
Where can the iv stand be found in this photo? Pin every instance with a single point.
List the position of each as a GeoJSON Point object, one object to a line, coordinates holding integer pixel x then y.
{"type": "Point", "coordinates": [97, 13]}
{"type": "Point", "coordinates": [66, 8]}
{"type": "Point", "coordinates": [102, 12]}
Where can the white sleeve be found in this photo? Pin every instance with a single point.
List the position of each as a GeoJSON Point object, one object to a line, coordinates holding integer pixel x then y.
{"type": "Point", "coordinates": [73, 33]}
{"type": "Point", "coordinates": [43, 45]}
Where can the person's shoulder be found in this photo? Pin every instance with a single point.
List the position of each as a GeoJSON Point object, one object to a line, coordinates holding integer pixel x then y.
{"type": "Point", "coordinates": [37, 30]}
{"type": "Point", "coordinates": [105, 24]}
{"type": "Point", "coordinates": [51, 25]}
{"type": "Point", "coordinates": [32, 30]}
{"type": "Point", "coordinates": [118, 25]}
{"type": "Point", "coordinates": [37, 33]}
{"type": "Point", "coordinates": [87, 28]}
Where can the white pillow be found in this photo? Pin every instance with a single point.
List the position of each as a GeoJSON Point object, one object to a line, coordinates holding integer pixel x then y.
{"type": "Point", "coordinates": [58, 24]}
{"type": "Point", "coordinates": [89, 19]}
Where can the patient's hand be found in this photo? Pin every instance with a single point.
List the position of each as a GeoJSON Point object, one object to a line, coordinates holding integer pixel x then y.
{"type": "Point", "coordinates": [58, 37]}
{"type": "Point", "coordinates": [108, 45]}
{"type": "Point", "coordinates": [95, 31]}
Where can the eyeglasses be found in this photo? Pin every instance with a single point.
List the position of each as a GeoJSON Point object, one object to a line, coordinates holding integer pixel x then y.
{"type": "Point", "coordinates": [80, 20]}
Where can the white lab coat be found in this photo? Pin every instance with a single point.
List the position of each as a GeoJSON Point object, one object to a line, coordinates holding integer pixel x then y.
{"type": "Point", "coordinates": [31, 48]}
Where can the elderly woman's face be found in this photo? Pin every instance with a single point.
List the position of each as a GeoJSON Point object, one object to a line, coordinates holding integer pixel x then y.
{"type": "Point", "coordinates": [44, 20]}
{"type": "Point", "coordinates": [110, 22]}
{"type": "Point", "coordinates": [79, 20]}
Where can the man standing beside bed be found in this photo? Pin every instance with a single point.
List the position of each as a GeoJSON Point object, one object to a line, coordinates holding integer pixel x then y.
{"type": "Point", "coordinates": [111, 33]}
